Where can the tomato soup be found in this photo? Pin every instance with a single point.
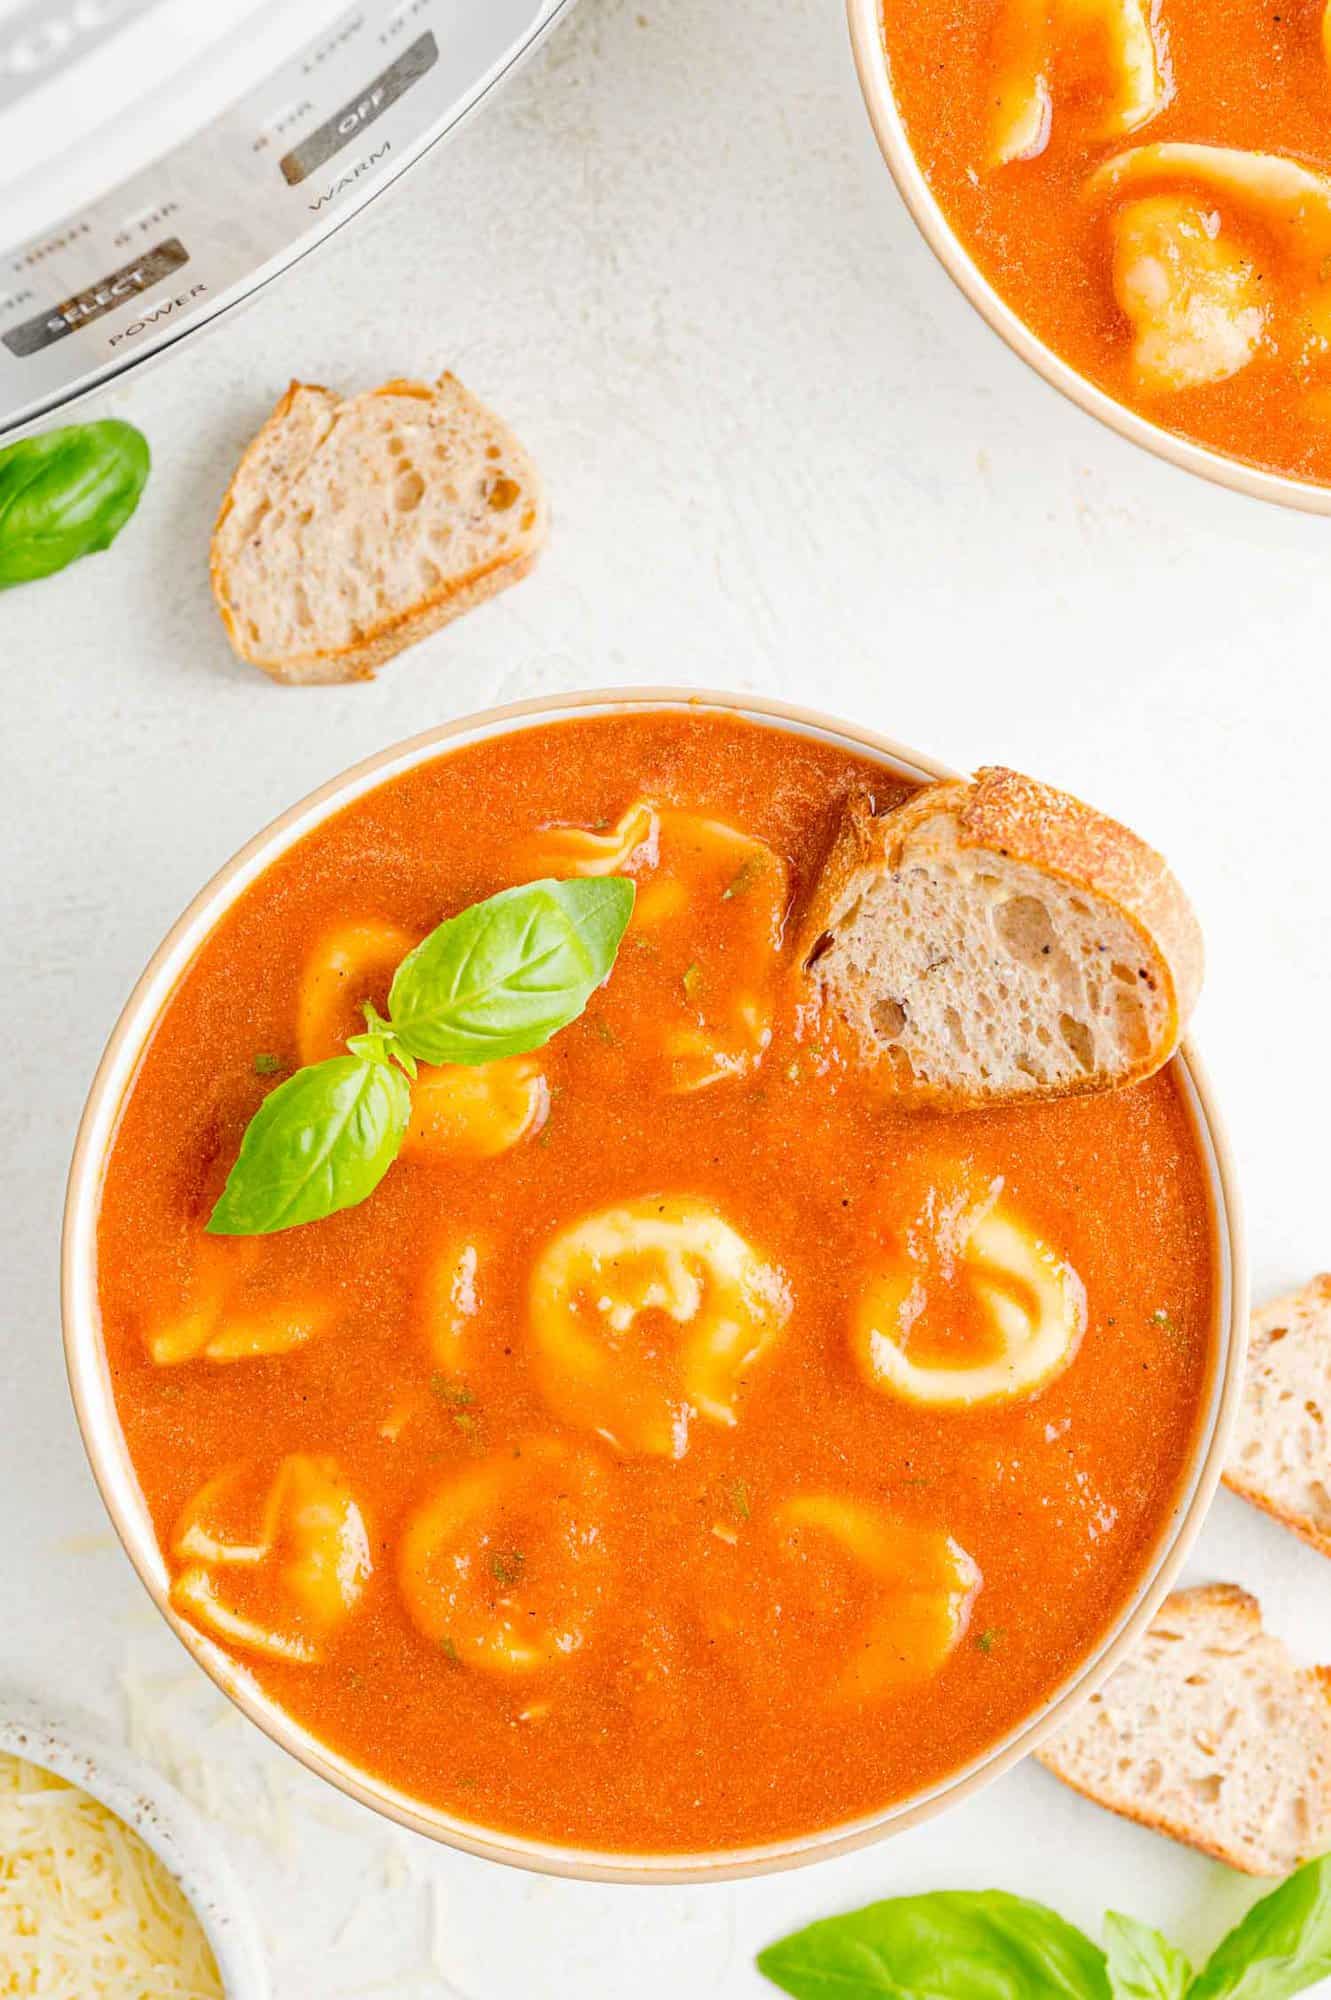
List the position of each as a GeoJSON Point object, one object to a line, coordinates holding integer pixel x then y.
{"type": "Point", "coordinates": [1148, 184]}
{"type": "Point", "coordinates": [571, 1482]}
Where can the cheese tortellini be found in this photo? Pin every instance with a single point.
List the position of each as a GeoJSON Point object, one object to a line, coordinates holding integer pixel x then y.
{"type": "Point", "coordinates": [710, 909]}
{"type": "Point", "coordinates": [222, 1318]}
{"type": "Point", "coordinates": [648, 1314]}
{"type": "Point", "coordinates": [1100, 53]}
{"type": "Point", "coordinates": [448, 1302]}
{"type": "Point", "coordinates": [272, 1561]}
{"type": "Point", "coordinates": [347, 966]}
{"type": "Point", "coordinates": [725, 990]}
{"type": "Point", "coordinates": [458, 1112]}
{"type": "Point", "coordinates": [921, 1587]}
{"type": "Point", "coordinates": [967, 1305]}
{"type": "Point", "coordinates": [1217, 253]}
{"type": "Point", "coordinates": [502, 1565]}
{"type": "Point", "coordinates": [475, 1111]}
{"type": "Point", "coordinates": [632, 843]}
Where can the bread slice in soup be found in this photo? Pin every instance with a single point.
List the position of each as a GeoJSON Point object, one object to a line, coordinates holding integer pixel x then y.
{"type": "Point", "coordinates": [998, 940]}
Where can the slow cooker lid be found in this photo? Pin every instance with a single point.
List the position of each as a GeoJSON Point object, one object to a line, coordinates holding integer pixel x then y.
{"type": "Point", "coordinates": [160, 159]}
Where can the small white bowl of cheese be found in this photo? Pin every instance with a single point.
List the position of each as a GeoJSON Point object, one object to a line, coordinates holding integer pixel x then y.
{"type": "Point", "coordinates": [111, 1885]}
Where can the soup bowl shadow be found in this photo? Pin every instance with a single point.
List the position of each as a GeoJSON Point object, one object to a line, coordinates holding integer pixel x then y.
{"type": "Point", "coordinates": [874, 69]}
{"type": "Point", "coordinates": [94, 1399]}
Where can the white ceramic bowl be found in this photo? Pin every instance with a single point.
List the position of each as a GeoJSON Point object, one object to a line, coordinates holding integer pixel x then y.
{"type": "Point", "coordinates": [866, 34]}
{"type": "Point", "coordinates": [95, 1402]}
{"type": "Point", "coordinates": [76, 1748]}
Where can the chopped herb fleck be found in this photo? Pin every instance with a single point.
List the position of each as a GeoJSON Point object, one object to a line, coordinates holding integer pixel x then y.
{"type": "Point", "coordinates": [744, 880]}
{"type": "Point", "coordinates": [602, 1027]}
{"type": "Point", "coordinates": [468, 1425]}
{"type": "Point", "coordinates": [692, 980]}
{"type": "Point", "coordinates": [739, 1499]}
{"type": "Point", "coordinates": [1165, 1320]}
{"type": "Point", "coordinates": [267, 1065]}
{"type": "Point", "coordinates": [988, 1640]}
{"type": "Point", "coordinates": [448, 1648]}
{"type": "Point", "coordinates": [507, 1568]}
{"type": "Point", "coordinates": [456, 1394]}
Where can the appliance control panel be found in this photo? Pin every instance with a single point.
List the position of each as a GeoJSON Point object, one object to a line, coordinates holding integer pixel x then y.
{"type": "Point", "coordinates": [244, 196]}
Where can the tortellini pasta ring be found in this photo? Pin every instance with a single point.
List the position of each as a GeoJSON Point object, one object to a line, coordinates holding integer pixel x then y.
{"type": "Point", "coordinates": [1199, 304]}
{"type": "Point", "coordinates": [344, 968]}
{"type": "Point", "coordinates": [218, 1322]}
{"type": "Point", "coordinates": [1032, 36]}
{"type": "Point", "coordinates": [1293, 201]}
{"type": "Point", "coordinates": [971, 1258]}
{"type": "Point", "coordinates": [565, 851]}
{"type": "Point", "coordinates": [502, 1565]}
{"type": "Point", "coordinates": [726, 1021]}
{"type": "Point", "coordinates": [448, 1302]}
{"type": "Point", "coordinates": [275, 1565]}
{"type": "Point", "coordinates": [924, 1587]}
{"type": "Point", "coordinates": [647, 1313]}
{"type": "Point", "coordinates": [475, 1111]}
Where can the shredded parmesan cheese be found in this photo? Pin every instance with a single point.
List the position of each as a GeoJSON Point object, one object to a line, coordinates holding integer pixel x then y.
{"type": "Point", "coordinates": [87, 1911]}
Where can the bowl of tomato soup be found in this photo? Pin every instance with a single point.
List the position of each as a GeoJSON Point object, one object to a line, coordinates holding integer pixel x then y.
{"type": "Point", "coordinates": [537, 1499]}
{"type": "Point", "coordinates": [1136, 195]}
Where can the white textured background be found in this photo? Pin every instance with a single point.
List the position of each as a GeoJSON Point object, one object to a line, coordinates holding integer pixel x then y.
{"type": "Point", "coordinates": [783, 456]}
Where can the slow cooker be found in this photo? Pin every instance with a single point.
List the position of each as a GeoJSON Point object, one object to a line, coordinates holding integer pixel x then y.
{"type": "Point", "coordinates": [162, 159]}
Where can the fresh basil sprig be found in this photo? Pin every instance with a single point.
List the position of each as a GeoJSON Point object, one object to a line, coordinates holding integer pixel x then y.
{"type": "Point", "coordinates": [1282, 1946]}
{"type": "Point", "coordinates": [953, 1945]}
{"type": "Point", "coordinates": [1143, 1965]}
{"type": "Point", "coordinates": [322, 1141]}
{"type": "Point", "coordinates": [67, 494]}
{"type": "Point", "coordinates": [984, 1945]}
{"type": "Point", "coordinates": [498, 980]}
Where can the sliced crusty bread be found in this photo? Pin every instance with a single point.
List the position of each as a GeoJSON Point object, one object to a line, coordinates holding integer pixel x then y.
{"type": "Point", "coordinates": [1210, 1732]}
{"type": "Point", "coordinates": [1280, 1458]}
{"type": "Point", "coordinates": [996, 939]}
{"type": "Point", "coordinates": [352, 529]}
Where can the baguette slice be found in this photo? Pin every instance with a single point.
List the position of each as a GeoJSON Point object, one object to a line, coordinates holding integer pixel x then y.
{"type": "Point", "coordinates": [1281, 1455]}
{"type": "Point", "coordinates": [996, 940]}
{"type": "Point", "coordinates": [1212, 1734]}
{"type": "Point", "coordinates": [352, 529]}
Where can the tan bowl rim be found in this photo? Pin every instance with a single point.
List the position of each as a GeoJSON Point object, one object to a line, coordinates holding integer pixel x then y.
{"type": "Point", "coordinates": [1256, 482]}
{"type": "Point", "coordinates": [90, 1384]}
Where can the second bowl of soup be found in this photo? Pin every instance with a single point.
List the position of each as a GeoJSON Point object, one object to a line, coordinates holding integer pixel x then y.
{"type": "Point", "coordinates": [1136, 194]}
{"type": "Point", "coordinates": [542, 1499]}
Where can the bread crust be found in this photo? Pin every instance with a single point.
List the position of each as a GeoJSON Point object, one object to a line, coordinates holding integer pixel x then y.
{"type": "Point", "coordinates": [1189, 1608]}
{"type": "Point", "coordinates": [1317, 1295]}
{"type": "Point", "coordinates": [360, 659]}
{"type": "Point", "coordinates": [1018, 819]}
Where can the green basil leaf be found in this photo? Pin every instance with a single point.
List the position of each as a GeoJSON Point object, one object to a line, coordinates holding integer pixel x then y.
{"type": "Point", "coordinates": [1282, 1946]}
{"type": "Point", "coordinates": [67, 494]}
{"type": "Point", "coordinates": [1143, 1965]}
{"type": "Point", "coordinates": [955, 1945]}
{"type": "Point", "coordinates": [505, 975]}
{"type": "Point", "coordinates": [321, 1141]}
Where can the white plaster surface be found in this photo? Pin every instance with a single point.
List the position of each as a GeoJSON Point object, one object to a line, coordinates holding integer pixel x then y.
{"type": "Point", "coordinates": [783, 456]}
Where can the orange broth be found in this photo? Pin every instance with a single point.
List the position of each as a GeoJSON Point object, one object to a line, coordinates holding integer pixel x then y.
{"type": "Point", "coordinates": [710, 1700]}
{"type": "Point", "coordinates": [1235, 73]}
